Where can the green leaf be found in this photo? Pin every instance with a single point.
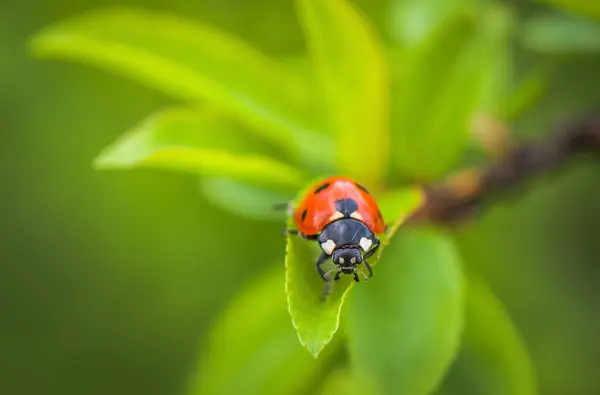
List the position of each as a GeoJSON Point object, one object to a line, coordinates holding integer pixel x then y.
{"type": "Point", "coordinates": [351, 68]}
{"type": "Point", "coordinates": [252, 348]}
{"type": "Point", "coordinates": [404, 326]}
{"type": "Point", "coordinates": [198, 141]}
{"type": "Point", "coordinates": [317, 320]}
{"type": "Point", "coordinates": [397, 204]}
{"type": "Point", "coordinates": [433, 105]}
{"type": "Point", "coordinates": [561, 34]}
{"type": "Point", "coordinates": [413, 21]}
{"type": "Point", "coordinates": [493, 359]}
{"type": "Point", "coordinates": [243, 199]}
{"type": "Point", "coordinates": [194, 61]}
{"type": "Point", "coordinates": [584, 7]}
{"type": "Point", "coordinates": [528, 92]}
{"type": "Point", "coordinates": [348, 382]}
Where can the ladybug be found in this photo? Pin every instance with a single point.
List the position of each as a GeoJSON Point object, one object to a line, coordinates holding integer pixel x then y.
{"type": "Point", "coordinates": [344, 218]}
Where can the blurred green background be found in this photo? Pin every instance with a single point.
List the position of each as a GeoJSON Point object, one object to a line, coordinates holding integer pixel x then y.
{"type": "Point", "coordinates": [109, 280]}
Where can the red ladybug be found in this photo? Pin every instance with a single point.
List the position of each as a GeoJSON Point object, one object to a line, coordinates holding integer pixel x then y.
{"type": "Point", "coordinates": [345, 219]}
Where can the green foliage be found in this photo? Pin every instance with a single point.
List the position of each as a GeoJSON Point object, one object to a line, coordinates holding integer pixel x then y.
{"type": "Point", "coordinates": [243, 199]}
{"type": "Point", "coordinates": [493, 359]}
{"type": "Point", "coordinates": [404, 328]}
{"type": "Point", "coordinates": [316, 320]}
{"type": "Point", "coordinates": [585, 7]}
{"type": "Point", "coordinates": [251, 341]}
{"type": "Point", "coordinates": [353, 75]}
{"type": "Point", "coordinates": [527, 92]}
{"type": "Point", "coordinates": [199, 141]}
{"type": "Point", "coordinates": [196, 62]}
{"type": "Point", "coordinates": [349, 382]}
{"type": "Point", "coordinates": [258, 130]}
{"type": "Point", "coordinates": [472, 48]}
{"type": "Point", "coordinates": [414, 21]}
{"type": "Point", "coordinates": [561, 34]}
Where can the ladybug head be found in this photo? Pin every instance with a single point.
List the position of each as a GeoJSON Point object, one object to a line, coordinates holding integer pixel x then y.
{"type": "Point", "coordinates": [347, 259]}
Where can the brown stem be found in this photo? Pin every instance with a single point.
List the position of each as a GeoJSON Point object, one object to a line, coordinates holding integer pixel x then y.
{"type": "Point", "coordinates": [456, 198]}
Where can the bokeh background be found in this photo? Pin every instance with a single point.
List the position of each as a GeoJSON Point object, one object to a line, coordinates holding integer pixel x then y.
{"type": "Point", "coordinates": [109, 280]}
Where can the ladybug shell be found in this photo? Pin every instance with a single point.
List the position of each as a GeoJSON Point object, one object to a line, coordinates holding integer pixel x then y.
{"type": "Point", "coordinates": [334, 198]}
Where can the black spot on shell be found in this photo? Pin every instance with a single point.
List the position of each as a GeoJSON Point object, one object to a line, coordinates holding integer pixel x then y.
{"type": "Point", "coordinates": [322, 188]}
{"type": "Point", "coordinates": [304, 215]}
{"type": "Point", "coordinates": [361, 187]}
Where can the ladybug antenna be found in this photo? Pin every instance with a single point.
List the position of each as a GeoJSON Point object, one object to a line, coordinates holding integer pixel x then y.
{"type": "Point", "coordinates": [363, 274]}
{"type": "Point", "coordinates": [281, 206]}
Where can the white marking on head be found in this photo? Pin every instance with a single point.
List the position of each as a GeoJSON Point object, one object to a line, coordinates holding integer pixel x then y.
{"type": "Point", "coordinates": [328, 247]}
{"type": "Point", "coordinates": [353, 260]}
{"type": "Point", "coordinates": [342, 260]}
{"type": "Point", "coordinates": [365, 243]}
{"type": "Point", "coordinates": [356, 215]}
{"type": "Point", "coordinates": [335, 216]}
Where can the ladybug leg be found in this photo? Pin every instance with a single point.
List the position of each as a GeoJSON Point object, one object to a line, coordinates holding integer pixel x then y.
{"type": "Point", "coordinates": [320, 260]}
{"type": "Point", "coordinates": [356, 277]}
{"type": "Point", "coordinates": [294, 232]}
{"type": "Point", "coordinates": [288, 206]}
{"type": "Point", "coordinates": [281, 206]}
{"type": "Point", "coordinates": [376, 244]}
{"type": "Point", "coordinates": [368, 268]}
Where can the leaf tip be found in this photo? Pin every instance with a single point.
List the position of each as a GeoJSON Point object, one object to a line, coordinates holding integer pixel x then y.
{"type": "Point", "coordinates": [113, 158]}
{"type": "Point", "coordinates": [314, 348]}
{"type": "Point", "coordinates": [100, 162]}
{"type": "Point", "coordinates": [37, 44]}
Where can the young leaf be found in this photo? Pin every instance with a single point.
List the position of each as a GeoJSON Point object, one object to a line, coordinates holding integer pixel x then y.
{"type": "Point", "coordinates": [317, 320]}
{"type": "Point", "coordinates": [252, 348]}
{"type": "Point", "coordinates": [493, 359]}
{"type": "Point", "coordinates": [349, 382]}
{"type": "Point", "coordinates": [243, 199]}
{"type": "Point", "coordinates": [561, 34]}
{"type": "Point", "coordinates": [528, 91]}
{"type": "Point", "coordinates": [404, 326]}
{"type": "Point", "coordinates": [583, 7]}
{"type": "Point", "coordinates": [194, 61]}
{"type": "Point", "coordinates": [351, 68]}
{"type": "Point", "coordinates": [418, 79]}
{"type": "Point", "coordinates": [434, 105]}
{"type": "Point", "coordinates": [413, 21]}
{"type": "Point", "coordinates": [397, 204]}
{"type": "Point", "coordinates": [199, 141]}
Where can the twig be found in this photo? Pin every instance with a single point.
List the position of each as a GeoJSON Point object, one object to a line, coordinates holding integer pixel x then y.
{"type": "Point", "coordinates": [456, 198]}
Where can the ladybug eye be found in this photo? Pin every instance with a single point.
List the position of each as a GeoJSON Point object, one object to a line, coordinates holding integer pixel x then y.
{"type": "Point", "coordinates": [342, 260]}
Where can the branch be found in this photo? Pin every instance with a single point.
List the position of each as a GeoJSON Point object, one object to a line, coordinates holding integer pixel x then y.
{"type": "Point", "coordinates": [456, 198]}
